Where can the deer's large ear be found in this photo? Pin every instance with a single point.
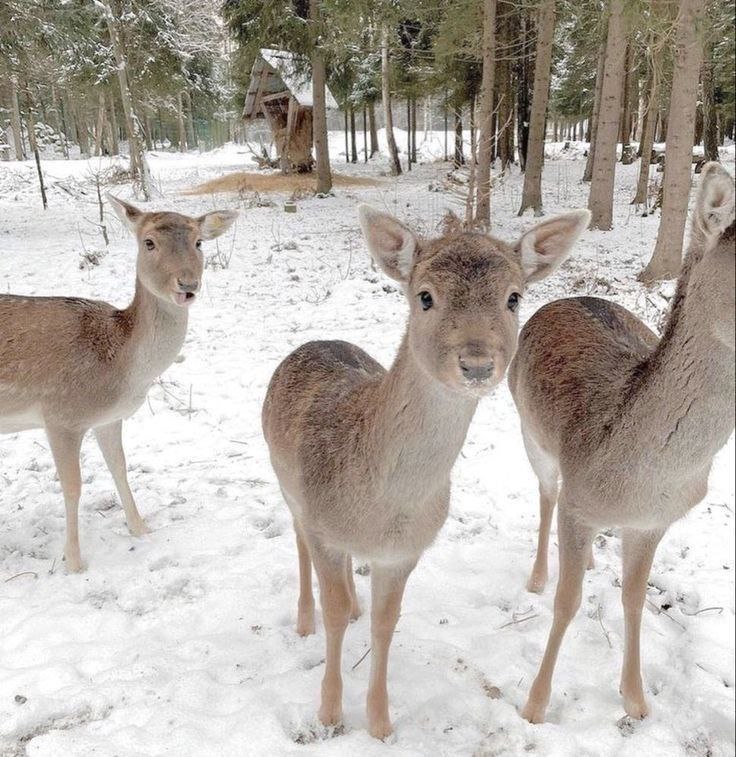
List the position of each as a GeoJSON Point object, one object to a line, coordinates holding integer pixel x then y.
{"type": "Point", "coordinates": [391, 244]}
{"type": "Point", "coordinates": [714, 208]}
{"type": "Point", "coordinates": [545, 246]}
{"type": "Point", "coordinates": [127, 213]}
{"type": "Point", "coordinates": [216, 223]}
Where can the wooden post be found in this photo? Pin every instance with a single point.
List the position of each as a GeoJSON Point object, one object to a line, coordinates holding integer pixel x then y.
{"type": "Point", "coordinates": [365, 135]}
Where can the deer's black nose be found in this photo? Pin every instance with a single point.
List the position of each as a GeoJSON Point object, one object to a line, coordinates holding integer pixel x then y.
{"type": "Point", "coordinates": [188, 286]}
{"type": "Point", "coordinates": [476, 370]}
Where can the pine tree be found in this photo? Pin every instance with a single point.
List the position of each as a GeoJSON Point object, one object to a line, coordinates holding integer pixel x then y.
{"type": "Point", "coordinates": [667, 256]}
{"type": "Point", "coordinates": [531, 196]}
{"type": "Point", "coordinates": [483, 172]}
{"type": "Point", "coordinates": [600, 200]}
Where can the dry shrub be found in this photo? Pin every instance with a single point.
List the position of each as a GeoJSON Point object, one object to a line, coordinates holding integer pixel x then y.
{"type": "Point", "coordinates": [293, 184]}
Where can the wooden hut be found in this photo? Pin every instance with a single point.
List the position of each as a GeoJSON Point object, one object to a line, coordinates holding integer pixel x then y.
{"type": "Point", "coordinates": [282, 94]}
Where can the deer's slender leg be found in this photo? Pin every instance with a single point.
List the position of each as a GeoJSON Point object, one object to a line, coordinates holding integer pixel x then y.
{"type": "Point", "coordinates": [547, 471]}
{"type": "Point", "coordinates": [387, 590]}
{"type": "Point", "coordinates": [547, 501]}
{"type": "Point", "coordinates": [574, 539]}
{"type": "Point", "coordinates": [355, 610]}
{"type": "Point", "coordinates": [65, 446]}
{"type": "Point", "coordinates": [110, 440]}
{"type": "Point", "coordinates": [305, 612]}
{"type": "Point", "coordinates": [334, 593]}
{"type": "Point", "coordinates": [638, 553]}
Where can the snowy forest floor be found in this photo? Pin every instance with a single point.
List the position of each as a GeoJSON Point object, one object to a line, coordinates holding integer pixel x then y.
{"type": "Point", "coordinates": [183, 642]}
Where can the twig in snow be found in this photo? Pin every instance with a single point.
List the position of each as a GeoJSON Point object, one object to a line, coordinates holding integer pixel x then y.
{"type": "Point", "coordinates": [516, 621]}
{"type": "Point", "coordinates": [705, 609]}
{"type": "Point", "coordinates": [605, 631]}
{"type": "Point", "coordinates": [664, 612]}
{"type": "Point", "coordinates": [367, 652]}
{"type": "Point", "coordinates": [24, 573]}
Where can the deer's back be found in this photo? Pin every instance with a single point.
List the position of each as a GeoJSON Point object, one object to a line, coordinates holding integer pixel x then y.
{"type": "Point", "coordinates": [316, 397]}
{"type": "Point", "coordinates": [575, 360]}
{"type": "Point", "coordinates": [57, 356]}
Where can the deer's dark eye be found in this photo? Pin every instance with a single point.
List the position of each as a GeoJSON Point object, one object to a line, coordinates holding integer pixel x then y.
{"type": "Point", "coordinates": [199, 244]}
{"type": "Point", "coordinates": [149, 244]}
{"type": "Point", "coordinates": [425, 298]}
{"type": "Point", "coordinates": [513, 302]}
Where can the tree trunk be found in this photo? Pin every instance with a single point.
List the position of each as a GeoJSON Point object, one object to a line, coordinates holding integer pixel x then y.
{"type": "Point", "coordinates": [588, 171]}
{"type": "Point", "coordinates": [345, 132]}
{"type": "Point", "coordinates": [600, 200]}
{"type": "Point", "coordinates": [59, 119]}
{"type": "Point", "coordinates": [459, 157]}
{"type": "Point", "coordinates": [408, 134]}
{"type": "Point", "coordinates": [146, 125]}
{"type": "Point", "coordinates": [710, 129]}
{"type": "Point", "coordinates": [353, 141]}
{"type": "Point", "coordinates": [191, 131]}
{"type": "Point", "coordinates": [667, 256]}
{"type": "Point", "coordinates": [531, 196]}
{"type": "Point", "coordinates": [34, 147]}
{"type": "Point", "coordinates": [413, 130]}
{"type": "Point", "coordinates": [100, 126]}
{"type": "Point", "coordinates": [393, 151]}
{"type": "Point", "coordinates": [82, 131]}
{"type": "Point", "coordinates": [180, 123]}
{"type": "Point", "coordinates": [483, 172]}
{"type": "Point", "coordinates": [445, 114]}
{"type": "Point", "coordinates": [625, 130]}
{"type": "Point", "coordinates": [114, 128]}
{"type": "Point", "coordinates": [524, 88]}
{"type": "Point", "coordinates": [647, 137]}
{"type": "Point", "coordinates": [473, 165]}
{"type": "Point", "coordinates": [365, 135]}
{"type": "Point", "coordinates": [662, 125]}
{"type": "Point", "coordinates": [15, 123]}
{"type": "Point", "coordinates": [138, 169]}
{"type": "Point", "coordinates": [494, 126]}
{"type": "Point", "coordinates": [372, 128]}
{"type": "Point", "coordinates": [319, 107]}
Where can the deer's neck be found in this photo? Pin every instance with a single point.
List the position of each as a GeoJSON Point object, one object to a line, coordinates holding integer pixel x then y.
{"type": "Point", "coordinates": [156, 334]}
{"type": "Point", "coordinates": [681, 410]}
{"type": "Point", "coordinates": [418, 428]}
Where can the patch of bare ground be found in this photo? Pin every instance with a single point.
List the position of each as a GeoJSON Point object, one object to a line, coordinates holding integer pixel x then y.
{"type": "Point", "coordinates": [247, 181]}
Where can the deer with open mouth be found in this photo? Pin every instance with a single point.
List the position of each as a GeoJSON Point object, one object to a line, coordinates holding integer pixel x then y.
{"type": "Point", "coordinates": [69, 365]}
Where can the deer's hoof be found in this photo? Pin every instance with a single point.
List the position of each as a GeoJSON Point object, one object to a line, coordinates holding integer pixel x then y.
{"type": "Point", "coordinates": [636, 707]}
{"type": "Point", "coordinates": [305, 627]}
{"type": "Point", "coordinates": [380, 728]}
{"type": "Point", "coordinates": [534, 711]}
{"type": "Point", "coordinates": [330, 714]}
{"type": "Point", "coordinates": [73, 564]}
{"type": "Point", "coordinates": [139, 528]}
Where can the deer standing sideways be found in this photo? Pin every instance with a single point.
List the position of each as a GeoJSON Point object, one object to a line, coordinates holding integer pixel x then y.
{"type": "Point", "coordinates": [631, 423]}
{"type": "Point", "coordinates": [363, 455]}
{"type": "Point", "coordinates": [69, 365]}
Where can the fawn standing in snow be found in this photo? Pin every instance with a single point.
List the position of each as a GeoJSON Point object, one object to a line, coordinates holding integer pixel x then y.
{"type": "Point", "coordinates": [69, 365]}
{"type": "Point", "coordinates": [630, 422]}
{"type": "Point", "coordinates": [363, 455]}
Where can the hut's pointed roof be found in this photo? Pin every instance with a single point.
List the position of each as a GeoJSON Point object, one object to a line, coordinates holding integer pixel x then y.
{"type": "Point", "coordinates": [277, 71]}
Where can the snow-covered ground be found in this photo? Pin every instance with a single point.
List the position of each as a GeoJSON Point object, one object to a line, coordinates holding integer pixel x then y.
{"type": "Point", "coordinates": [183, 642]}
